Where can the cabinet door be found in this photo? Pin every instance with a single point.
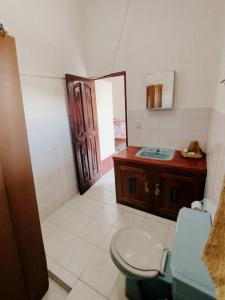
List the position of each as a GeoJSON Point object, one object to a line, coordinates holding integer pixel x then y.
{"type": "Point", "coordinates": [133, 186]}
{"type": "Point", "coordinates": [172, 192]}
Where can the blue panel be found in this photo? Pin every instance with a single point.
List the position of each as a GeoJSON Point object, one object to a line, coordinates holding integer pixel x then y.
{"type": "Point", "coordinates": [187, 267]}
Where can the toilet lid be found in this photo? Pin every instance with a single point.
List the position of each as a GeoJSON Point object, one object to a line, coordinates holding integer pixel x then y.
{"type": "Point", "coordinates": [139, 250]}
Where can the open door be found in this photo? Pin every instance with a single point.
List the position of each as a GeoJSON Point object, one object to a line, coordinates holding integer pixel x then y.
{"type": "Point", "coordinates": [84, 129]}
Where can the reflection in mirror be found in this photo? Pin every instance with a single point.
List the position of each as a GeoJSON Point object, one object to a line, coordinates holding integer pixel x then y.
{"type": "Point", "coordinates": [160, 87]}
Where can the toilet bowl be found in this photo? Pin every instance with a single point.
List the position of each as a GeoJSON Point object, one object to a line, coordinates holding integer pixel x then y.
{"type": "Point", "coordinates": [153, 273]}
{"type": "Point", "coordinates": [137, 254]}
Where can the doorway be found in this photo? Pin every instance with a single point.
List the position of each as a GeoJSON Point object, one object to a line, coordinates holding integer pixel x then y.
{"type": "Point", "coordinates": [96, 133]}
{"type": "Point", "coordinates": [111, 106]}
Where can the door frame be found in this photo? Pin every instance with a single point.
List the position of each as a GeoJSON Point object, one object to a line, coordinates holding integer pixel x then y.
{"type": "Point", "coordinates": [116, 74]}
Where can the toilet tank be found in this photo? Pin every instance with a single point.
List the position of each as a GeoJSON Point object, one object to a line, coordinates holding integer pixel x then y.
{"type": "Point", "coordinates": [190, 278]}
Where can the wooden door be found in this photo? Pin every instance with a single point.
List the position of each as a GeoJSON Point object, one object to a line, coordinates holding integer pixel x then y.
{"type": "Point", "coordinates": [17, 169]}
{"type": "Point", "coordinates": [84, 129]}
{"type": "Point", "coordinates": [12, 285]}
{"type": "Point", "coordinates": [172, 192]}
{"type": "Point", "coordinates": [133, 186]}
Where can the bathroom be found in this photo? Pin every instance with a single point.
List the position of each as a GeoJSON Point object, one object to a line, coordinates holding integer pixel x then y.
{"type": "Point", "coordinates": [95, 38]}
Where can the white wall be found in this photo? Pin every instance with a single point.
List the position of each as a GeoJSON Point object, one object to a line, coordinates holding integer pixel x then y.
{"type": "Point", "coordinates": [216, 139]}
{"type": "Point", "coordinates": [81, 37]}
{"type": "Point", "coordinates": [118, 96]}
{"type": "Point", "coordinates": [47, 35]}
{"type": "Point", "coordinates": [49, 141]}
{"type": "Point", "coordinates": [48, 45]}
{"type": "Point", "coordinates": [184, 36]}
{"type": "Point", "coordinates": [103, 90]}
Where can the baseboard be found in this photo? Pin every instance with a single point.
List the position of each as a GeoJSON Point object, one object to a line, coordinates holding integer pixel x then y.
{"type": "Point", "coordinates": [106, 164]}
{"type": "Point", "coordinates": [120, 140]}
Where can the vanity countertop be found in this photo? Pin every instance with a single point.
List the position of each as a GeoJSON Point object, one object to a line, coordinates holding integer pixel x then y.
{"type": "Point", "coordinates": [179, 162]}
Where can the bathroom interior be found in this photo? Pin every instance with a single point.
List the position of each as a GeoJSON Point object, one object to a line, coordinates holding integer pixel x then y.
{"type": "Point", "coordinates": [112, 150]}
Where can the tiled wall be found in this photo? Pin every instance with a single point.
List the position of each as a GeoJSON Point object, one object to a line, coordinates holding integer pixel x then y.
{"type": "Point", "coordinates": [215, 155]}
{"type": "Point", "coordinates": [168, 128]}
{"type": "Point", "coordinates": [49, 142]}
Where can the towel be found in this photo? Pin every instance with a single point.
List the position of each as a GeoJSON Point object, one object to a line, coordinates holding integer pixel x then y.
{"type": "Point", "coordinates": [214, 252]}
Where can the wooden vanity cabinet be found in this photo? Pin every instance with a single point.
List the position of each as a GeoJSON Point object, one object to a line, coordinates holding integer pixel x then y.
{"type": "Point", "coordinates": [158, 187]}
{"type": "Point", "coordinates": [133, 186]}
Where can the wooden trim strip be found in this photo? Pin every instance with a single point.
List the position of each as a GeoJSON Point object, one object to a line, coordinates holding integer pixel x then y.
{"type": "Point", "coordinates": [106, 165]}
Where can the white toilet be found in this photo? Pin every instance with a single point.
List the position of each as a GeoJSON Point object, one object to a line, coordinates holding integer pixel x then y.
{"type": "Point", "coordinates": [154, 273]}
{"type": "Point", "coordinates": [137, 254]}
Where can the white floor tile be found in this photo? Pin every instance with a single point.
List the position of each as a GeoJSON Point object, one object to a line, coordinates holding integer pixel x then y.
{"type": "Point", "coordinates": [118, 292]}
{"type": "Point", "coordinates": [62, 273]}
{"type": "Point", "coordinates": [135, 211]}
{"type": "Point", "coordinates": [106, 243]}
{"type": "Point", "coordinates": [77, 255]}
{"type": "Point", "coordinates": [77, 202]}
{"type": "Point", "coordinates": [47, 229]}
{"type": "Point", "coordinates": [99, 193]}
{"type": "Point", "coordinates": [157, 229]}
{"type": "Point", "coordinates": [76, 222]}
{"type": "Point", "coordinates": [60, 215]}
{"type": "Point", "coordinates": [109, 214]}
{"type": "Point", "coordinates": [81, 291]}
{"type": "Point", "coordinates": [157, 218]}
{"type": "Point", "coordinates": [109, 198]}
{"type": "Point", "coordinates": [101, 273]}
{"type": "Point", "coordinates": [57, 242]}
{"type": "Point", "coordinates": [117, 205]}
{"type": "Point", "coordinates": [55, 292]}
{"type": "Point", "coordinates": [128, 220]}
{"type": "Point", "coordinates": [95, 232]}
{"type": "Point", "coordinates": [91, 207]}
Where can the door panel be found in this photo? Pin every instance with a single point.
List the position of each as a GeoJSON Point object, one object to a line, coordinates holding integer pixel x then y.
{"type": "Point", "coordinates": [84, 129]}
{"type": "Point", "coordinates": [83, 162]}
{"type": "Point", "coordinates": [93, 156]}
{"type": "Point", "coordinates": [90, 109]}
{"type": "Point", "coordinates": [78, 111]}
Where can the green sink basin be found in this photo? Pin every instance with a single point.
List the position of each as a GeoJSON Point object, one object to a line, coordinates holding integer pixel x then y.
{"type": "Point", "coordinates": [156, 153]}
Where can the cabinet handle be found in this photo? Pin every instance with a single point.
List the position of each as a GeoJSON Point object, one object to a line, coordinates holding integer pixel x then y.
{"type": "Point", "coordinates": [157, 190]}
{"type": "Point", "coordinates": [146, 187]}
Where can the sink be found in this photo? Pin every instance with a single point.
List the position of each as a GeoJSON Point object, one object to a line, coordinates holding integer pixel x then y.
{"type": "Point", "coordinates": [156, 153]}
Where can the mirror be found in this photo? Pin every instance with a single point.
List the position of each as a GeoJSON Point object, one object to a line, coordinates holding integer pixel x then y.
{"type": "Point", "coordinates": [160, 89]}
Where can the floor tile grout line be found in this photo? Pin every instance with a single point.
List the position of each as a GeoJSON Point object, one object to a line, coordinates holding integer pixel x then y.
{"type": "Point", "coordinates": [124, 210]}
{"type": "Point", "coordinates": [84, 282]}
{"type": "Point", "coordinates": [78, 277]}
{"type": "Point", "coordinates": [112, 225]}
{"type": "Point", "coordinates": [80, 237]}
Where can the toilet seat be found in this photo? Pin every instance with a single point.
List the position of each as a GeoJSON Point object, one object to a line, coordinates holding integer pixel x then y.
{"type": "Point", "coordinates": [138, 253]}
